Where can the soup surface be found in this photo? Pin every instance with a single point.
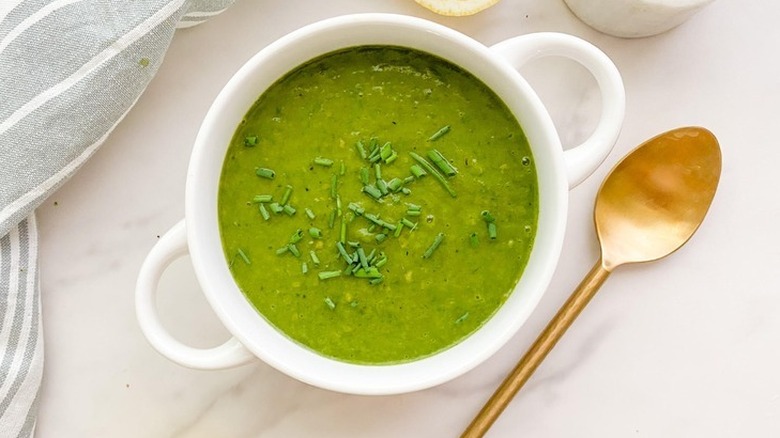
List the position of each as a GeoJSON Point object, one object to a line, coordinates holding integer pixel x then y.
{"type": "Point", "coordinates": [378, 204]}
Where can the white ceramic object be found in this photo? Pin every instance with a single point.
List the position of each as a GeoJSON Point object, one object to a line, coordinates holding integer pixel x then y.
{"type": "Point", "coordinates": [635, 18]}
{"type": "Point", "coordinates": [253, 337]}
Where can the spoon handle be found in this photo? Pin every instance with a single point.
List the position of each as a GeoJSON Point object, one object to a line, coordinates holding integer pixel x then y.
{"type": "Point", "coordinates": [538, 351]}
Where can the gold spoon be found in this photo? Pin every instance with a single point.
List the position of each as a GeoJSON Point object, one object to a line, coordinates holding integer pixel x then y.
{"type": "Point", "coordinates": [650, 204]}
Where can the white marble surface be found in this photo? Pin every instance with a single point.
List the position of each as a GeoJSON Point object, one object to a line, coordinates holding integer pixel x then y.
{"type": "Point", "coordinates": [685, 347]}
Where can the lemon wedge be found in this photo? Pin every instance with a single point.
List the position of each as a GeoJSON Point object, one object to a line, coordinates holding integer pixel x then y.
{"type": "Point", "coordinates": [457, 8]}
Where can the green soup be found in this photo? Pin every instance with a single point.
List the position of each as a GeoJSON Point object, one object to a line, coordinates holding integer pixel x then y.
{"type": "Point", "coordinates": [378, 204]}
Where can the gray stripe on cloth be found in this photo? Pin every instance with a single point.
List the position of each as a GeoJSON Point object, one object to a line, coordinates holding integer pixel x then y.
{"type": "Point", "coordinates": [18, 393]}
{"type": "Point", "coordinates": [5, 275]}
{"type": "Point", "coordinates": [211, 7]}
{"type": "Point", "coordinates": [18, 308]}
{"type": "Point", "coordinates": [19, 13]}
{"type": "Point", "coordinates": [28, 428]}
{"type": "Point", "coordinates": [200, 11]}
{"type": "Point", "coordinates": [27, 243]}
{"type": "Point", "coordinates": [71, 26]}
{"type": "Point", "coordinates": [74, 120]}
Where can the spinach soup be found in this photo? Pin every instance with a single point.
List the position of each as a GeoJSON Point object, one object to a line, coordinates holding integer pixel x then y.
{"type": "Point", "coordinates": [378, 204]}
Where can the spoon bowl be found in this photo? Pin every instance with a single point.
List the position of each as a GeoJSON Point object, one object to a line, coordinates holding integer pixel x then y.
{"type": "Point", "coordinates": [649, 206]}
{"type": "Point", "coordinates": [653, 200]}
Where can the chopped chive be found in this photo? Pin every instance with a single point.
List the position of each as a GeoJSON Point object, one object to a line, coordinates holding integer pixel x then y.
{"type": "Point", "coordinates": [314, 258]}
{"type": "Point", "coordinates": [338, 205]}
{"type": "Point", "coordinates": [264, 212]}
{"type": "Point", "coordinates": [334, 185]}
{"type": "Point", "coordinates": [250, 140]}
{"type": "Point", "coordinates": [373, 218]}
{"type": "Point", "coordinates": [380, 237]}
{"type": "Point", "coordinates": [358, 210]}
{"type": "Point", "coordinates": [331, 305]}
{"type": "Point", "coordinates": [327, 162]}
{"type": "Point", "coordinates": [355, 257]}
{"type": "Point", "coordinates": [370, 257]}
{"type": "Point", "coordinates": [492, 230]}
{"type": "Point", "coordinates": [355, 266]}
{"type": "Point", "coordinates": [412, 207]}
{"type": "Point", "coordinates": [349, 270]}
{"type": "Point", "coordinates": [413, 212]}
{"type": "Point", "coordinates": [462, 318]}
{"type": "Point", "coordinates": [381, 262]}
{"type": "Point", "coordinates": [243, 256]}
{"type": "Point", "coordinates": [436, 242]}
{"type": "Point", "coordinates": [409, 179]}
{"type": "Point", "coordinates": [332, 218]}
{"type": "Point", "coordinates": [440, 133]}
{"type": "Point", "coordinates": [343, 236]}
{"type": "Point", "coordinates": [382, 186]}
{"type": "Point", "coordinates": [406, 190]}
{"type": "Point", "coordinates": [364, 176]}
{"type": "Point", "coordinates": [265, 173]}
{"type": "Point", "coordinates": [443, 163]}
{"type": "Point", "coordinates": [474, 240]}
{"type": "Point", "coordinates": [304, 268]}
{"type": "Point", "coordinates": [286, 195]}
{"type": "Point", "coordinates": [417, 171]}
{"type": "Point", "coordinates": [297, 236]}
{"type": "Point", "coordinates": [385, 151]}
{"type": "Point", "coordinates": [376, 280]}
{"type": "Point", "coordinates": [425, 164]}
{"type": "Point", "coordinates": [487, 216]}
{"type": "Point", "coordinates": [378, 171]}
{"type": "Point", "coordinates": [289, 210]}
{"type": "Point", "coordinates": [362, 257]}
{"type": "Point", "coordinates": [373, 143]}
{"type": "Point", "coordinates": [294, 249]}
{"type": "Point", "coordinates": [315, 233]}
{"type": "Point", "coordinates": [409, 224]}
{"type": "Point", "coordinates": [282, 250]}
{"type": "Point", "coordinates": [371, 228]}
{"type": "Point", "coordinates": [342, 168]}
{"type": "Point", "coordinates": [388, 157]}
{"type": "Point", "coordinates": [361, 149]}
{"type": "Point", "coordinates": [343, 252]}
{"type": "Point", "coordinates": [393, 156]}
{"type": "Point", "coordinates": [388, 225]}
{"type": "Point", "coordinates": [370, 272]}
{"type": "Point", "coordinates": [395, 184]}
{"type": "Point", "coordinates": [324, 275]}
{"type": "Point", "coordinates": [275, 207]}
{"type": "Point", "coordinates": [372, 191]}
{"type": "Point", "coordinates": [309, 213]}
{"type": "Point", "coordinates": [375, 154]}
{"type": "Point", "coordinates": [353, 244]}
{"type": "Point", "coordinates": [397, 232]}
{"type": "Point", "coordinates": [262, 198]}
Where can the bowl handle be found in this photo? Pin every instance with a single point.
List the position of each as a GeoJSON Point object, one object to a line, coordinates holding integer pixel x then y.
{"type": "Point", "coordinates": [170, 247]}
{"type": "Point", "coordinates": [583, 159]}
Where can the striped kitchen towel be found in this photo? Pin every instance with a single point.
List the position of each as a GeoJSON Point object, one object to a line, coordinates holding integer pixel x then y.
{"type": "Point", "coordinates": [69, 72]}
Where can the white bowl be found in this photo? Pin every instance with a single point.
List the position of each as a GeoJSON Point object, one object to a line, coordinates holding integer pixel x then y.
{"type": "Point", "coordinates": [253, 336]}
